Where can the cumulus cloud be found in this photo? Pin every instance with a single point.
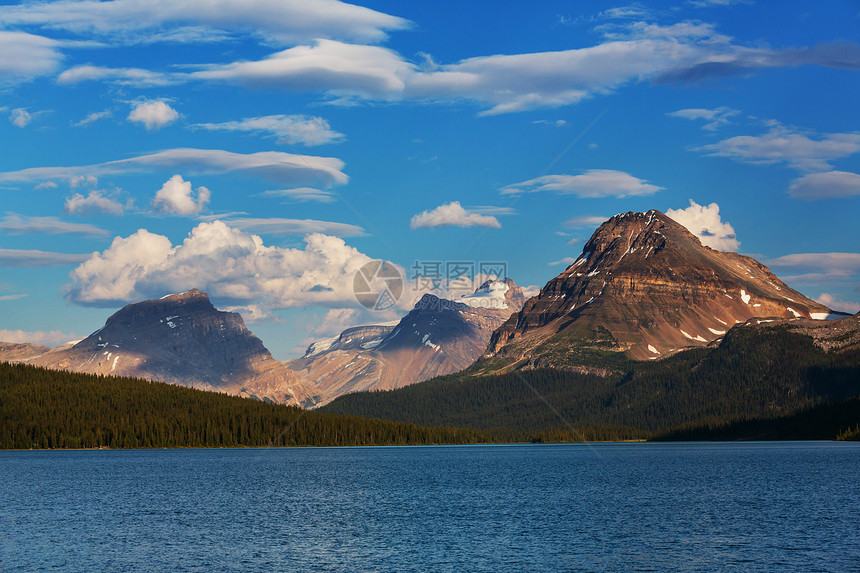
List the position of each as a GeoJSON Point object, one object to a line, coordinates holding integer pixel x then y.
{"type": "Point", "coordinates": [20, 117]}
{"type": "Point", "coordinates": [51, 338]}
{"type": "Point", "coordinates": [18, 225]}
{"type": "Point", "coordinates": [594, 183]}
{"type": "Point", "coordinates": [147, 21]}
{"type": "Point", "coordinates": [35, 258]}
{"type": "Point", "coordinates": [452, 215]}
{"type": "Point", "coordinates": [713, 118]}
{"type": "Point", "coordinates": [799, 150]}
{"type": "Point", "coordinates": [302, 194]}
{"type": "Point", "coordinates": [706, 224]}
{"type": "Point", "coordinates": [26, 56]}
{"type": "Point", "coordinates": [153, 114]}
{"type": "Point", "coordinates": [95, 200]}
{"type": "Point", "coordinates": [827, 185]}
{"type": "Point", "coordinates": [295, 227]}
{"type": "Point", "coordinates": [282, 168]}
{"type": "Point", "coordinates": [291, 129]}
{"type": "Point", "coordinates": [228, 263]}
{"type": "Point", "coordinates": [176, 198]}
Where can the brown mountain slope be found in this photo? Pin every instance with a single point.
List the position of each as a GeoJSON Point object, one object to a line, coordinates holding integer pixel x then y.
{"type": "Point", "coordinates": [646, 287]}
{"type": "Point", "coordinates": [437, 337]}
{"type": "Point", "coordinates": [182, 339]}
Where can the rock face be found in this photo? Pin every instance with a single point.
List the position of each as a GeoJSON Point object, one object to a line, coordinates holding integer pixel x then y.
{"type": "Point", "coordinates": [182, 339]}
{"type": "Point", "coordinates": [437, 337]}
{"type": "Point", "coordinates": [646, 287]}
{"type": "Point", "coordinates": [17, 351]}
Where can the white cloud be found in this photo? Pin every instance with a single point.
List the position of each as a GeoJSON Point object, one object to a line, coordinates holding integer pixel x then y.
{"type": "Point", "coordinates": [706, 224]}
{"type": "Point", "coordinates": [94, 201]}
{"type": "Point", "coordinates": [283, 168]}
{"type": "Point", "coordinates": [20, 117]}
{"type": "Point", "coordinates": [827, 185]}
{"type": "Point", "coordinates": [564, 261]}
{"type": "Point", "coordinates": [291, 129]}
{"type": "Point", "coordinates": [26, 56]}
{"type": "Point", "coordinates": [330, 66]}
{"type": "Point", "coordinates": [17, 224]}
{"type": "Point", "coordinates": [593, 183]}
{"type": "Point", "coordinates": [176, 198]}
{"type": "Point", "coordinates": [147, 21]}
{"type": "Point", "coordinates": [92, 118]}
{"type": "Point", "coordinates": [123, 76]}
{"type": "Point", "coordinates": [585, 221]}
{"type": "Point", "coordinates": [714, 118]}
{"type": "Point", "coordinates": [302, 194]}
{"type": "Point", "coordinates": [153, 114]}
{"type": "Point", "coordinates": [51, 338]}
{"type": "Point", "coordinates": [830, 302]}
{"type": "Point", "coordinates": [83, 181]}
{"type": "Point", "coordinates": [47, 185]}
{"type": "Point", "coordinates": [13, 296]}
{"type": "Point", "coordinates": [454, 215]}
{"type": "Point", "coordinates": [799, 150]}
{"type": "Point", "coordinates": [230, 264]}
{"type": "Point", "coordinates": [813, 267]}
{"type": "Point", "coordinates": [295, 227]}
{"type": "Point", "coordinates": [34, 258]}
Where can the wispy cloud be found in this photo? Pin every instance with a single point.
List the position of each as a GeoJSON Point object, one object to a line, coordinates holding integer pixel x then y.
{"type": "Point", "coordinates": [92, 118]}
{"type": "Point", "coordinates": [593, 183]}
{"type": "Point", "coordinates": [18, 225]}
{"type": "Point", "coordinates": [291, 129]}
{"type": "Point", "coordinates": [585, 221]}
{"type": "Point", "coordinates": [283, 168]}
{"type": "Point", "coordinates": [826, 185]}
{"type": "Point", "coordinates": [43, 337]}
{"type": "Point", "coordinates": [805, 151]}
{"type": "Point", "coordinates": [34, 258]}
{"type": "Point", "coordinates": [295, 227]}
{"type": "Point", "coordinates": [146, 21]}
{"type": "Point", "coordinates": [713, 118]}
{"type": "Point", "coordinates": [26, 56]}
{"type": "Point", "coordinates": [301, 194]}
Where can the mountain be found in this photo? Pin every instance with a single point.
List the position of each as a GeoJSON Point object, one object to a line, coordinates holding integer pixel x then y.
{"type": "Point", "coordinates": [760, 370]}
{"type": "Point", "coordinates": [182, 339]}
{"type": "Point", "coordinates": [643, 288]}
{"type": "Point", "coordinates": [438, 336]}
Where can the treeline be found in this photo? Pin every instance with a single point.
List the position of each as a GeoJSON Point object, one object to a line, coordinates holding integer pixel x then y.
{"type": "Point", "coordinates": [759, 373]}
{"type": "Point", "coordinates": [834, 420]}
{"type": "Point", "coordinates": [42, 408]}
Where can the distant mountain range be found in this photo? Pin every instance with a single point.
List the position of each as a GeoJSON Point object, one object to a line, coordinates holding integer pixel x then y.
{"type": "Point", "coordinates": [643, 290]}
{"type": "Point", "coordinates": [437, 337]}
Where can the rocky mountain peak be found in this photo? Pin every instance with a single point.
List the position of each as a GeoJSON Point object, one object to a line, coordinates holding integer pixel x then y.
{"type": "Point", "coordinates": [645, 285]}
{"type": "Point", "coordinates": [183, 339]}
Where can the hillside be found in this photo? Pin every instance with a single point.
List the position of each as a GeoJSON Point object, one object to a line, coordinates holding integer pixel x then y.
{"type": "Point", "coordinates": [760, 370]}
{"type": "Point", "coordinates": [41, 408]}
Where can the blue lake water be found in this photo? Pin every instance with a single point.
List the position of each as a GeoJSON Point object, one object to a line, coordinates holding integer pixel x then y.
{"type": "Point", "coordinates": [608, 507]}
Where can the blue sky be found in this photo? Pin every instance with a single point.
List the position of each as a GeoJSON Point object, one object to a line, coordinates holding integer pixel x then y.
{"type": "Point", "coordinates": [263, 151]}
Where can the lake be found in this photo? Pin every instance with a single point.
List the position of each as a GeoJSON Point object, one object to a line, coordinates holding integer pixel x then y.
{"type": "Point", "coordinates": [785, 506]}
